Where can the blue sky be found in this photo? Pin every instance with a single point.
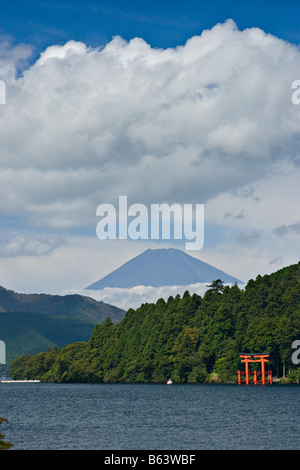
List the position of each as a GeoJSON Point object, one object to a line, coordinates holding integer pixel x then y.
{"type": "Point", "coordinates": [161, 24]}
{"type": "Point", "coordinates": [196, 109]}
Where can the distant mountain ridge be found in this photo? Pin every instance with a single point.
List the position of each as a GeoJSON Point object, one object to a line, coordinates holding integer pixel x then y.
{"type": "Point", "coordinates": [162, 267]}
{"type": "Point", "coordinates": [74, 305]}
{"type": "Point", "coordinates": [30, 323]}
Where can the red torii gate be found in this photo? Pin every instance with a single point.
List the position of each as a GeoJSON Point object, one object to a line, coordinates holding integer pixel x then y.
{"type": "Point", "coordinates": [249, 358]}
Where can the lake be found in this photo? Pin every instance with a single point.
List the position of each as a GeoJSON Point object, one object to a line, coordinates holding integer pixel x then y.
{"type": "Point", "coordinates": [150, 417]}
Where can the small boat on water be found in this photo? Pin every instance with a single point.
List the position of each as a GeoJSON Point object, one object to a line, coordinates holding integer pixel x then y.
{"type": "Point", "coordinates": [169, 382]}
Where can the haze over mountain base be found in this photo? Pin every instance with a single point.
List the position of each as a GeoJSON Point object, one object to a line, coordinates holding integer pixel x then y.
{"type": "Point", "coordinates": [134, 297]}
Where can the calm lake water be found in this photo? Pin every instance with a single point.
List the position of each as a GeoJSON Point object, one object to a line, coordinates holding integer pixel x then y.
{"type": "Point", "coordinates": [150, 417]}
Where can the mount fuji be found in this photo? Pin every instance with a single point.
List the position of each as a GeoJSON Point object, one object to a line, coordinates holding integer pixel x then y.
{"type": "Point", "coordinates": [162, 267]}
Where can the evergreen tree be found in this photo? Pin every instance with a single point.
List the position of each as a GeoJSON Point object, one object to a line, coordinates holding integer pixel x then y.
{"type": "Point", "coordinates": [217, 286]}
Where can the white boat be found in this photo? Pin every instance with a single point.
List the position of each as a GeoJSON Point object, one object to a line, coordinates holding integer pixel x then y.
{"type": "Point", "coordinates": [169, 382]}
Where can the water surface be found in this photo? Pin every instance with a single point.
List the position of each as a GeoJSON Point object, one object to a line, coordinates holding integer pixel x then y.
{"type": "Point", "coordinates": [150, 417]}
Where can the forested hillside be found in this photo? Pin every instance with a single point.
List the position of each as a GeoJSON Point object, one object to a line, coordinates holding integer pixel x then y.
{"type": "Point", "coordinates": [191, 339]}
{"type": "Point", "coordinates": [30, 323]}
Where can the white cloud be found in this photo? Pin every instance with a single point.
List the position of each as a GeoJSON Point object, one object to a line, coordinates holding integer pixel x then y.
{"type": "Point", "coordinates": [68, 51]}
{"type": "Point", "coordinates": [83, 125]}
{"type": "Point", "coordinates": [208, 122]}
{"type": "Point", "coordinates": [13, 59]}
{"type": "Point", "coordinates": [20, 245]}
{"type": "Point", "coordinates": [136, 296]}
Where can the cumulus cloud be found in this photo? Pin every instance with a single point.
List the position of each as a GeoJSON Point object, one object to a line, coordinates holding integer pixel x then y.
{"type": "Point", "coordinates": [210, 122]}
{"type": "Point", "coordinates": [83, 125]}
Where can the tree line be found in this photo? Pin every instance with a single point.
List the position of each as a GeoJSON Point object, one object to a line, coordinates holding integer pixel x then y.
{"type": "Point", "coordinates": [191, 339]}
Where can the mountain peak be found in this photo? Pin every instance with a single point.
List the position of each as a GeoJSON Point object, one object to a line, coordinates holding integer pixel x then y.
{"type": "Point", "coordinates": [162, 267]}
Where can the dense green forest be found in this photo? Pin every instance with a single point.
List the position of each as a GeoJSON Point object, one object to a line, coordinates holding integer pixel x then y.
{"type": "Point", "coordinates": [192, 339]}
